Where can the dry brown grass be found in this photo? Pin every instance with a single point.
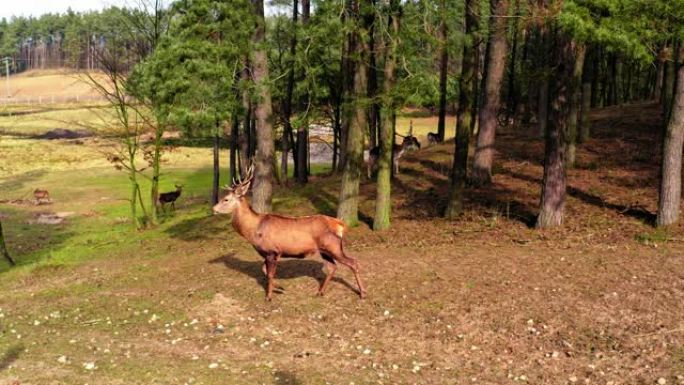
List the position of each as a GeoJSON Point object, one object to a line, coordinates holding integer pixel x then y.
{"type": "Point", "coordinates": [46, 83]}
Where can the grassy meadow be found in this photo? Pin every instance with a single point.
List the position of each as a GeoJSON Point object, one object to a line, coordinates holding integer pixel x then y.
{"type": "Point", "coordinates": [487, 299]}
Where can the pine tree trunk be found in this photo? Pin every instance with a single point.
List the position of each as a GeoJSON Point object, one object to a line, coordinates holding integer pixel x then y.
{"type": "Point", "coordinates": [245, 139]}
{"type": "Point", "coordinates": [374, 111]}
{"type": "Point", "coordinates": [660, 74]}
{"type": "Point", "coordinates": [554, 184]}
{"type": "Point", "coordinates": [671, 169]}
{"type": "Point", "coordinates": [287, 103]}
{"type": "Point", "coordinates": [530, 72]}
{"type": "Point", "coordinates": [512, 100]}
{"type": "Point", "coordinates": [3, 247]}
{"type": "Point", "coordinates": [575, 102]}
{"type": "Point", "coordinates": [347, 69]}
{"type": "Point", "coordinates": [383, 202]}
{"type": "Point", "coordinates": [443, 71]}
{"type": "Point", "coordinates": [262, 190]}
{"type": "Point", "coordinates": [496, 64]}
{"type": "Point", "coordinates": [465, 113]}
{"type": "Point", "coordinates": [216, 175]}
{"type": "Point", "coordinates": [303, 130]}
{"type": "Point", "coordinates": [348, 208]}
{"type": "Point", "coordinates": [543, 104]}
{"type": "Point", "coordinates": [596, 71]}
{"type": "Point", "coordinates": [588, 75]}
{"type": "Point", "coordinates": [234, 144]}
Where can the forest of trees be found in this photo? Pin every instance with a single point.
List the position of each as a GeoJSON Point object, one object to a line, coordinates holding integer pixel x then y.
{"type": "Point", "coordinates": [68, 40]}
{"type": "Point", "coordinates": [223, 69]}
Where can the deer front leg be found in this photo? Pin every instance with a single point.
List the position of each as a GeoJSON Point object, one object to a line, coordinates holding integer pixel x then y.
{"type": "Point", "coordinates": [271, 263]}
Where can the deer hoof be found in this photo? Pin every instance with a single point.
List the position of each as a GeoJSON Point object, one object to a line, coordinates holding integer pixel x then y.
{"type": "Point", "coordinates": [362, 295]}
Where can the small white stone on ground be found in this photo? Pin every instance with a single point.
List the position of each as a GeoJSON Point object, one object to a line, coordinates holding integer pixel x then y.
{"type": "Point", "coordinates": [213, 365]}
{"type": "Point", "coordinates": [662, 381]}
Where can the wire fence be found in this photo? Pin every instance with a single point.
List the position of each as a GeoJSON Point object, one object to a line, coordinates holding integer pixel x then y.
{"type": "Point", "coordinates": [49, 99]}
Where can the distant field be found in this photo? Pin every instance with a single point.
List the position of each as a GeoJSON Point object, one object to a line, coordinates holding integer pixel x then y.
{"type": "Point", "coordinates": [36, 120]}
{"type": "Point", "coordinates": [48, 84]}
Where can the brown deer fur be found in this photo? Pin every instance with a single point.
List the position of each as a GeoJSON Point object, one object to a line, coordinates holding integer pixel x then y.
{"type": "Point", "coordinates": [275, 236]}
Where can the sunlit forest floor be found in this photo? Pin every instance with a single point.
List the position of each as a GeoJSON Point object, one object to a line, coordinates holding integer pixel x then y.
{"type": "Point", "coordinates": [486, 299]}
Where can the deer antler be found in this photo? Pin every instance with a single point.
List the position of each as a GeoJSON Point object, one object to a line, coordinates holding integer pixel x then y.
{"type": "Point", "coordinates": [239, 182]}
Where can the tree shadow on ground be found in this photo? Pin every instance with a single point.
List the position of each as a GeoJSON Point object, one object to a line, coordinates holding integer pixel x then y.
{"type": "Point", "coordinates": [287, 269]}
{"type": "Point", "coordinates": [634, 212]}
{"type": "Point", "coordinates": [282, 377]}
{"type": "Point", "coordinates": [326, 204]}
{"type": "Point", "coordinates": [431, 202]}
{"type": "Point", "coordinates": [199, 228]}
{"type": "Point", "coordinates": [11, 355]}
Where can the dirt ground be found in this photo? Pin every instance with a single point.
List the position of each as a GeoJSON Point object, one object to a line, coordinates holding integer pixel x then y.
{"type": "Point", "coordinates": [484, 300]}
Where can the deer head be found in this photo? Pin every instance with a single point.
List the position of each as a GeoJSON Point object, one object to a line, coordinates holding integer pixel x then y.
{"type": "Point", "coordinates": [235, 193]}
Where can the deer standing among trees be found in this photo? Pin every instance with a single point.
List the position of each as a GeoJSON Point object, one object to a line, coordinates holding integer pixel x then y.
{"type": "Point", "coordinates": [170, 197]}
{"type": "Point", "coordinates": [275, 236]}
{"type": "Point", "coordinates": [41, 196]}
{"type": "Point", "coordinates": [410, 143]}
{"type": "Point", "coordinates": [433, 138]}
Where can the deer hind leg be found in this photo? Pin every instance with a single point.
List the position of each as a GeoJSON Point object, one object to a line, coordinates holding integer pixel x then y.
{"type": "Point", "coordinates": [271, 263]}
{"type": "Point", "coordinates": [334, 249]}
{"type": "Point", "coordinates": [331, 267]}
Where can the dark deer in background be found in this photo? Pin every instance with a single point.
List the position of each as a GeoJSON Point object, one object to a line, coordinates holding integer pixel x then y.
{"type": "Point", "coordinates": [410, 143]}
{"type": "Point", "coordinates": [433, 138]}
{"type": "Point", "coordinates": [41, 196]}
{"type": "Point", "coordinates": [170, 197]}
{"type": "Point", "coordinates": [276, 236]}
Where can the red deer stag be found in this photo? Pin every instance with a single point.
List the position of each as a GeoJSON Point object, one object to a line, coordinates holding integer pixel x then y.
{"type": "Point", "coordinates": [170, 197]}
{"type": "Point", "coordinates": [276, 236]}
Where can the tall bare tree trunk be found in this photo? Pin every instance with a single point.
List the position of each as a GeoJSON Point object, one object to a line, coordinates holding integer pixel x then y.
{"type": "Point", "coordinates": [496, 64]}
{"type": "Point", "coordinates": [465, 113]}
{"type": "Point", "coordinates": [552, 203]}
{"type": "Point", "coordinates": [383, 202]}
{"type": "Point", "coordinates": [348, 208]}
{"type": "Point", "coordinates": [244, 140]}
{"type": "Point", "coordinates": [303, 130]}
{"type": "Point", "coordinates": [217, 175]}
{"type": "Point", "coordinates": [588, 75]}
{"type": "Point", "coordinates": [287, 103]}
{"type": "Point", "coordinates": [262, 191]}
{"type": "Point", "coordinates": [660, 74]}
{"type": "Point", "coordinates": [512, 100]}
{"type": "Point", "coordinates": [347, 69]}
{"type": "Point", "coordinates": [543, 102]}
{"type": "Point", "coordinates": [575, 101]}
{"type": "Point", "coordinates": [3, 247]}
{"type": "Point", "coordinates": [671, 169]}
{"type": "Point", "coordinates": [443, 70]}
{"type": "Point", "coordinates": [374, 111]}
{"type": "Point", "coordinates": [234, 134]}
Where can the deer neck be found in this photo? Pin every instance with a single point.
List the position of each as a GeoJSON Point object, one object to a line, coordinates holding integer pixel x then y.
{"type": "Point", "coordinates": [245, 220]}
